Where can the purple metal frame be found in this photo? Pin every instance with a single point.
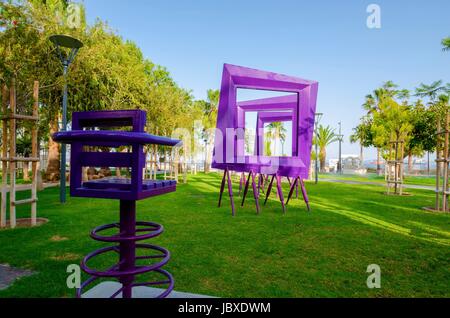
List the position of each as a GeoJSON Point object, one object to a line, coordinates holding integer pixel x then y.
{"type": "Point", "coordinates": [126, 190]}
{"type": "Point", "coordinates": [229, 152]}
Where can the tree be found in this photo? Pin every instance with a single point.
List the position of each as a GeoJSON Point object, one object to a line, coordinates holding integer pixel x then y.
{"type": "Point", "coordinates": [277, 131]}
{"type": "Point", "coordinates": [446, 44]}
{"type": "Point", "coordinates": [209, 122]}
{"type": "Point", "coordinates": [24, 149]}
{"type": "Point", "coordinates": [392, 123]}
{"type": "Point", "coordinates": [363, 134]}
{"type": "Point", "coordinates": [430, 91]}
{"type": "Point", "coordinates": [109, 73]}
{"type": "Point", "coordinates": [325, 137]}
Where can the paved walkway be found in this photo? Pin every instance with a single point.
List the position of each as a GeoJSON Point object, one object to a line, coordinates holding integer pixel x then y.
{"type": "Point", "coordinates": [406, 186]}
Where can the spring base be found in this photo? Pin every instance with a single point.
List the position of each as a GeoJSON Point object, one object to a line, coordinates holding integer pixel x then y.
{"type": "Point", "coordinates": [127, 268]}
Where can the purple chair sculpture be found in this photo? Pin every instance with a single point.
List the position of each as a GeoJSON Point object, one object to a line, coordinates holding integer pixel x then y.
{"type": "Point", "coordinates": [229, 152]}
{"type": "Point", "coordinates": [128, 191]}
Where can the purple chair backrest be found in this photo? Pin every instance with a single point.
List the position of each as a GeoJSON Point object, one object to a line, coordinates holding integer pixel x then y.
{"type": "Point", "coordinates": [136, 119]}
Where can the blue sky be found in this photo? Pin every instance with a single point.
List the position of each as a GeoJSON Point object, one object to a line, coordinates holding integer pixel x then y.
{"type": "Point", "coordinates": [327, 41]}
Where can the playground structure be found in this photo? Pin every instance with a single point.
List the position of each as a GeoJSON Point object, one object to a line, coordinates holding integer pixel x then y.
{"type": "Point", "coordinates": [10, 118]}
{"type": "Point", "coordinates": [394, 167]}
{"type": "Point", "coordinates": [442, 167]}
{"type": "Point", "coordinates": [127, 190]}
{"type": "Point", "coordinates": [229, 151]}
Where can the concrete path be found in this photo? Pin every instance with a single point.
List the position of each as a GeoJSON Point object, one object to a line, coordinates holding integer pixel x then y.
{"type": "Point", "coordinates": [406, 186]}
{"type": "Point", "coordinates": [107, 289]}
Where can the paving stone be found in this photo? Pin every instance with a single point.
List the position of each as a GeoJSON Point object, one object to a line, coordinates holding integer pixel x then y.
{"type": "Point", "coordinates": [9, 274]}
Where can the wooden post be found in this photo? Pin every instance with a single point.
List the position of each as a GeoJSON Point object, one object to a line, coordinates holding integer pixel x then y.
{"type": "Point", "coordinates": [445, 161]}
{"type": "Point", "coordinates": [438, 165]}
{"type": "Point", "coordinates": [35, 164]}
{"type": "Point", "coordinates": [12, 154]}
{"type": "Point", "coordinates": [400, 166]}
{"type": "Point", "coordinates": [5, 93]}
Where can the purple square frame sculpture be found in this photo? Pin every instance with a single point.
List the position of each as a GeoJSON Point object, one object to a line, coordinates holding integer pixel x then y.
{"type": "Point", "coordinates": [92, 129]}
{"type": "Point", "coordinates": [229, 152]}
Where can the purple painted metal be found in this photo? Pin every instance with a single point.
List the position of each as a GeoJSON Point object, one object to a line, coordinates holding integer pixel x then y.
{"type": "Point", "coordinates": [269, 189]}
{"type": "Point", "coordinates": [126, 190]}
{"type": "Point", "coordinates": [241, 182]}
{"type": "Point", "coordinates": [280, 192]}
{"type": "Point", "coordinates": [266, 118]}
{"type": "Point", "coordinates": [227, 178]}
{"type": "Point", "coordinates": [229, 148]}
{"type": "Point", "coordinates": [230, 192]}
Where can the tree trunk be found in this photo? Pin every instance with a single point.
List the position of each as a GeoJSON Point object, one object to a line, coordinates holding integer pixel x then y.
{"type": "Point", "coordinates": [410, 162]}
{"type": "Point", "coordinates": [53, 166]}
{"type": "Point", "coordinates": [207, 162]}
{"type": "Point", "coordinates": [378, 162]}
{"type": "Point", "coordinates": [361, 156]}
{"type": "Point", "coordinates": [322, 159]}
{"type": "Point", "coordinates": [26, 177]}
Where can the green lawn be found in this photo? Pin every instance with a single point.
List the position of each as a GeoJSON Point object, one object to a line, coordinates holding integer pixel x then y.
{"type": "Point", "coordinates": [372, 177]}
{"type": "Point", "coordinates": [321, 254]}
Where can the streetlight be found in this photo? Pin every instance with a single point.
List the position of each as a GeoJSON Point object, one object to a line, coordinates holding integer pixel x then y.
{"type": "Point", "coordinates": [341, 139]}
{"type": "Point", "coordinates": [73, 45]}
{"type": "Point", "coordinates": [316, 131]}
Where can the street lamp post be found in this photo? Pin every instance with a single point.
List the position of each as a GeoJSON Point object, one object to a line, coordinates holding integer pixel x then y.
{"type": "Point", "coordinates": [73, 45]}
{"type": "Point", "coordinates": [316, 131]}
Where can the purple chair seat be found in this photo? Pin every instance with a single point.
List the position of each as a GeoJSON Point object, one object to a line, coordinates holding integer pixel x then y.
{"type": "Point", "coordinates": [124, 184]}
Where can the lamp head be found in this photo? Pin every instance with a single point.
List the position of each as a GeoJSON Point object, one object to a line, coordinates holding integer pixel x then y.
{"type": "Point", "coordinates": [66, 41]}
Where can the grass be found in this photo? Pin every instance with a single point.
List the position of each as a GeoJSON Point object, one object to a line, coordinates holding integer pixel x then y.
{"type": "Point", "coordinates": [321, 254]}
{"type": "Point", "coordinates": [372, 177]}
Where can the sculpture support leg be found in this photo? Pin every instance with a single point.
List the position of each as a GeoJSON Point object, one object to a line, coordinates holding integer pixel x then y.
{"type": "Point", "coordinates": [269, 189]}
{"type": "Point", "coordinates": [230, 192]}
{"type": "Point", "coordinates": [305, 195]}
{"type": "Point", "coordinates": [127, 248]}
{"type": "Point", "coordinates": [280, 193]}
{"type": "Point", "coordinates": [255, 192]}
{"type": "Point", "coordinates": [222, 187]}
{"type": "Point", "coordinates": [247, 184]}
{"type": "Point", "coordinates": [291, 192]}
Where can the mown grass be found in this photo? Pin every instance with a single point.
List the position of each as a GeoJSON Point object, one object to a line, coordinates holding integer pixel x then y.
{"type": "Point", "coordinates": [324, 253]}
{"type": "Point", "coordinates": [372, 177]}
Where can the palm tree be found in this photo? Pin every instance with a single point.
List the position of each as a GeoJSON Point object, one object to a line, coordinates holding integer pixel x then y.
{"type": "Point", "coordinates": [277, 130]}
{"type": "Point", "coordinates": [431, 91]}
{"type": "Point", "coordinates": [358, 136]}
{"type": "Point", "coordinates": [325, 137]}
{"type": "Point", "coordinates": [446, 44]}
{"type": "Point", "coordinates": [209, 115]}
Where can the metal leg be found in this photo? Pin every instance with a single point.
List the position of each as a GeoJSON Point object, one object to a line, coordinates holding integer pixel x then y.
{"type": "Point", "coordinates": [255, 192]}
{"type": "Point", "coordinates": [127, 248]}
{"type": "Point", "coordinates": [261, 183]}
{"type": "Point", "coordinates": [222, 187]}
{"type": "Point", "coordinates": [280, 192]}
{"type": "Point", "coordinates": [126, 269]}
{"type": "Point", "coordinates": [305, 195]}
{"type": "Point", "coordinates": [230, 192]}
{"type": "Point", "coordinates": [247, 184]}
{"type": "Point", "coordinates": [269, 190]}
{"type": "Point", "coordinates": [291, 192]}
